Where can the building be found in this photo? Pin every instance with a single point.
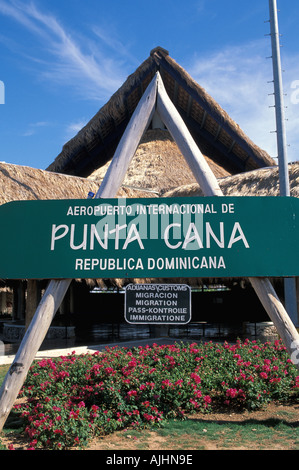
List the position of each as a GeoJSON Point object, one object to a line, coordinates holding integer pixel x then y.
{"type": "Point", "coordinates": [158, 169]}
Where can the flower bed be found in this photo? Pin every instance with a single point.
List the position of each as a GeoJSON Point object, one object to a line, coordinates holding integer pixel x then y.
{"type": "Point", "coordinates": [73, 398]}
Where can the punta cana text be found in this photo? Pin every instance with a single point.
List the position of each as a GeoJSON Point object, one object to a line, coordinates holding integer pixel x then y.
{"type": "Point", "coordinates": [119, 237]}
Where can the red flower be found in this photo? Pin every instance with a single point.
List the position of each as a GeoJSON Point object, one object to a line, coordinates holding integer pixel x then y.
{"type": "Point", "coordinates": [195, 377]}
{"type": "Point", "coordinates": [263, 375]}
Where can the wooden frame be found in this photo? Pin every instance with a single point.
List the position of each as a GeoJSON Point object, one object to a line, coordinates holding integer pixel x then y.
{"type": "Point", "coordinates": [154, 99]}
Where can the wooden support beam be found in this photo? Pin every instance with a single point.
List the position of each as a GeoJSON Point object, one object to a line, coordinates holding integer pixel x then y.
{"type": "Point", "coordinates": [210, 187]}
{"type": "Point", "coordinates": [217, 133]}
{"type": "Point", "coordinates": [129, 142]}
{"type": "Point", "coordinates": [29, 346]}
{"type": "Point", "coordinates": [32, 301]}
{"type": "Point", "coordinates": [189, 106]}
{"type": "Point", "coordinates": [180, 133]}
{"type": "Point", "coordinates": [232, 146]}
{"type": "Point", "coordinates": [3, 298]}
{"type": "Point", "coordinates": [21, 300]}
{"type": "Point", "coordinates": [203, 119]}
{"type": "Point", "coordinates": [276, 311]}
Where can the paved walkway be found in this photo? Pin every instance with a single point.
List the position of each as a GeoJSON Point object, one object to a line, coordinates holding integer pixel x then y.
{"type": "Point", "coordinates": [8, 359]}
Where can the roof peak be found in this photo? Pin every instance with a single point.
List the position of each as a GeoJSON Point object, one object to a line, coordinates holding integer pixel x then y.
{"type": "Point", "coordinates": [159, 49]}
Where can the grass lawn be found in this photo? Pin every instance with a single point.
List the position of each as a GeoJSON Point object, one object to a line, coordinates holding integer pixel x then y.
{"type": "Point", "coordinates": [275, 428]}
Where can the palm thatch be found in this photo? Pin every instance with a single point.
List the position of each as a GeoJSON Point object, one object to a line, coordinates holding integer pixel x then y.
{"type": "Point", "coordinates": [18, 183]}
{"type": "Point", "coordinates": [158, 165]}
{"type": "Point", "coordinates": [263, 182]}
{"type": "Point", "coordinates": [223, 128]}
{"type": "Point", "coordinates": [96, 142]}
{"type": "Point", "coordinates": [219, 138]}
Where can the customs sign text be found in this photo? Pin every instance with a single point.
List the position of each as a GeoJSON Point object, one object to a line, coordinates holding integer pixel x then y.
{"type": "Point", "coordinates": [158, 304]}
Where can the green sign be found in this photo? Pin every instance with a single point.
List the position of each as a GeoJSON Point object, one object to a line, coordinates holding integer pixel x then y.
{"type": "Point", "coordinates": [158, 304]}
{"type": "Point", "coordinates": [155, 237]}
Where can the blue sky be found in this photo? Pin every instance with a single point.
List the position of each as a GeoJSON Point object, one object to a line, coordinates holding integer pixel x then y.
{"type": "Point", "coordinates": [61, 61]}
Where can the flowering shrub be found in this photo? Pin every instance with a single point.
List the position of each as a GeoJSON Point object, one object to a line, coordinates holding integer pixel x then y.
{"type": "Point", "coordinates": [73, 398]}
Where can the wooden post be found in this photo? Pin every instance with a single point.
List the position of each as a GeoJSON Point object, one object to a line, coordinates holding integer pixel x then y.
{"type": "Point", "coordinates": [129, 142]}
{"type": "Point", "coordinates": [3, 297]}
{"type": "Point", "coordinates": [56, 290]}
{"type": "Point", "coordinates": [29, 346]}
{"type": "Point", "coordinates": [210, 187]}
{"type": "Point", "coordinates": [21, 301]}
{"type": "Point", "coordinates": [180, 133]}
{"type": "Point", "coordinates": [276, 311]}
{"type": "Point", "coordinates": [31, 301]}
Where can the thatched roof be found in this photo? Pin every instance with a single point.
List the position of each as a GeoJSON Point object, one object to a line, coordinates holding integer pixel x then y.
{"type": "Point", "coordinates": [219, 138]}
{"type": "Point", "coordinates": [263, 182]}
{"type": "Point", "coordinates": [158, 165]}
{"type": "Point", "coordinates": [18, 183]}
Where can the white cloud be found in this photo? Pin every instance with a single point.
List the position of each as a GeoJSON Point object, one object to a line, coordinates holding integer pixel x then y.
{"type": "Point", "coordinates": [109, 37]}
{"type": "Point", "coordinates": [200, 6]}
{"type": "Point", "coordinates": [33, 128]}
{"type": "Point", "coordinates": [65, 59]}
{"type": "Point", "coordinates": [237, 78]}
{"type": "Point", "coordinates": [291, 89]}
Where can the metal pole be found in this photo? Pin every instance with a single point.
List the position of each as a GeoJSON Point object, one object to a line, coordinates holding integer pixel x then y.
{"type": "Point", "coordinates": [284, 185]}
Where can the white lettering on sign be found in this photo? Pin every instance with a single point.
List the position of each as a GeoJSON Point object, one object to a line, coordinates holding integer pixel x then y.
{"type": "Point", "coordinates": [186, 263]}
{"type": "Point", "coordinates": [192, 235]}
{"type": "Point", "coordinates": [165, 304]}
{"type": "Point", "coordinates": [110, 264]}
{"type": "Point", "coordinates": [148, 209]}
{"type": "Point", "coordinates": [90, 233]}
{"type": "Point", "coordinates": [157, 288]}
{"type": "Point", "coordinates": [233, 239]}
{"type": "Point", "coordinates": [129, 264]}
